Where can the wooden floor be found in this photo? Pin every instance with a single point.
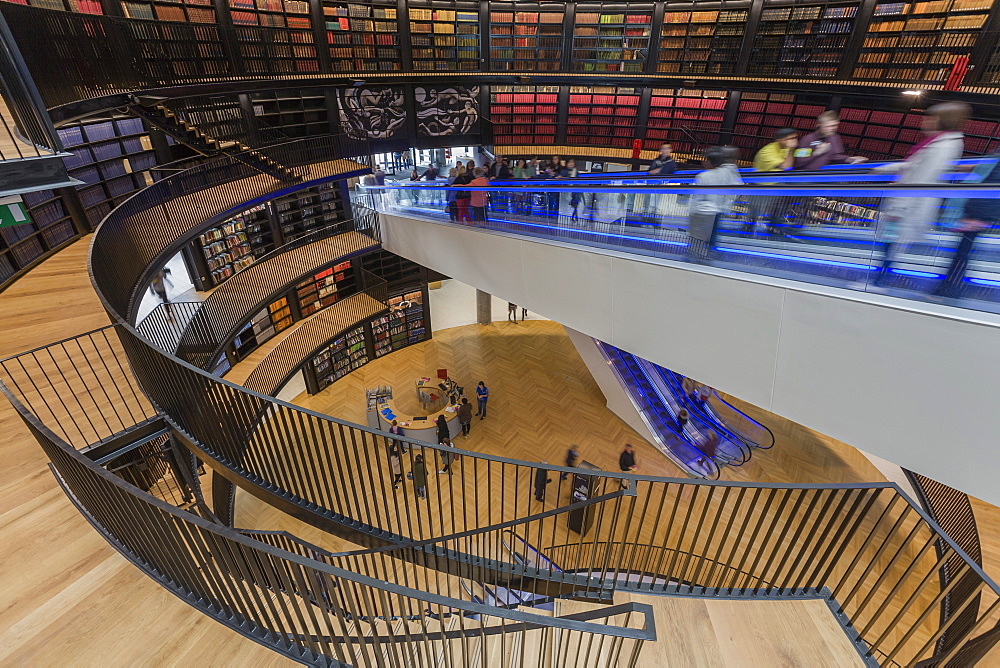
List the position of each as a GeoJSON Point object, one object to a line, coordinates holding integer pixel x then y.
{"type": "Point", "coordinates": [67, 598]}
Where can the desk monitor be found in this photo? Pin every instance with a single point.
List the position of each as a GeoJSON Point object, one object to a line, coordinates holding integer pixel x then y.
{"type": "Point", "coordinates": [419, 418]}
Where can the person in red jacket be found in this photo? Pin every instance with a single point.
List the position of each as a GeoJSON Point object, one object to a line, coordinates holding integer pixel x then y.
{"type": "Point", "coordinates": [480, 198]}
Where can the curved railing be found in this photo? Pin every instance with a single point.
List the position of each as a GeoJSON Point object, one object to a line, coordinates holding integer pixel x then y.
{"type": "Point", "coordinates": [864, 547]}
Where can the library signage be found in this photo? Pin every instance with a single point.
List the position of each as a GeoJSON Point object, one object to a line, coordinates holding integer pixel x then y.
{"type": "Point", "coordinates": [12, 211]}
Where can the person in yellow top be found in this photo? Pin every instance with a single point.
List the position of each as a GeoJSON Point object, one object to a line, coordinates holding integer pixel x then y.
{"type": "Point", "coordinates": [777, 156]}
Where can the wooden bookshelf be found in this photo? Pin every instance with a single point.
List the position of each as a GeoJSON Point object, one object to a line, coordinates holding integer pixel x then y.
{"type": "Point", "coordinates": [611, 38]}
{"type": "Point", "coordinates": [283, 43]}
{"type": "Point", "coordinates": [345, 354]}
{"type": "Point", "coordinates": [81, 6]}
{"type": "Point", "coordinates": [761, 114]}
{"type": "Point", "coordinates": [363, 36]}
{"type": "Point", "coordinates": [444, 35]}
{"type": "Point", "coordinates": [802, 40]}
{"type": "Point", "coordinates": [191, 11]}
{"type": "Point", "coordinates": [702, 40]}
{"type": "Point", "coordinates": [920, 41]}
{"type": "Point", "coordinates": [689, 119]}
{"type": "Point", "coordinates": [602, 115]}
{"type": "Point", "coordinates": [524, 114]}
{"type": "Point", "coordinates": [325, 288]}
{"type": "Point", "coordinates": [526, 36]}
{"type": "Point", "coordinates": [293, 113]}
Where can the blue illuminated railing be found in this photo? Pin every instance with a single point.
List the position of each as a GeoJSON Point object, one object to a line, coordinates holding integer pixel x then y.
{"type": "Point", "coordinates": [859, 232]}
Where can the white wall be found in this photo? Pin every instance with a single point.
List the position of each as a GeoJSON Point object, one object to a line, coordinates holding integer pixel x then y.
{"type": "Point", "coordinates": [916, 384]}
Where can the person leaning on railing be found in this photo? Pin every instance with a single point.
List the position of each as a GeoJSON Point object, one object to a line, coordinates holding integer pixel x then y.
{"type": "Point", "coordinates": [778, 156]}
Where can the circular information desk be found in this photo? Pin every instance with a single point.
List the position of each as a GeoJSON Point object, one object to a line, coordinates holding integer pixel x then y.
{"type": "Point", "coordinates": [423, 427]}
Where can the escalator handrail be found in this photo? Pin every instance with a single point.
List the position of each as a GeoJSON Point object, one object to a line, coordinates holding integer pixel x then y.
{"type": "Point", "coordinates": [713, 414]}
{"type": "Point", "coordinates": [553, 566]}
{"type": "Point", "coordinates": [764, 427]}
{"type": "Point", "coordinates": [699, 412]}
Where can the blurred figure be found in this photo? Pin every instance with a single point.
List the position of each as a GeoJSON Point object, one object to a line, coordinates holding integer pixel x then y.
{"type": "Point", "coordinates": [705, 210]}
{"type": "Point", "coordinates": [823, 146]}
{"type": "Point", "coordinates": [414, 192]}
{"type": "Point", "coordinates": [479, 199]}
{"type": "Point", "coordinates": [447, 456]}
{"type": "Point", "coordinates": [571, 458]}
{"type": "Point", "coordinates": [512, 312]}
{"type": "Point", "coordinates": [419, 476]}
{"type": "Point", "coordinates": [904, 220]}
{"type": "Point", "coordinates": [542, 479]}
{"type": "Point", "coordinates": [576, 197]}
{"type": "Point", "coordinates": [626, 462]}
{"type": "Point", "coordinates": [522, 170]}
{"type": "Point", "coordinates": [663, 165]}
{"type": "Point", "coordinates": [778, 156]}
{"type": "Point", "coordinates": [977, 216]}
{"type": "Point", "coordinates": [463, 198]}
{"type": "Point", "coordinates": [682, 418]}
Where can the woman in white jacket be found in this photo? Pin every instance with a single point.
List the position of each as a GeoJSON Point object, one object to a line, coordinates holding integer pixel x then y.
{"type": "Point", "coordinates": [905, 220]}
{"type": "Point", "coordinates": [705, 210]}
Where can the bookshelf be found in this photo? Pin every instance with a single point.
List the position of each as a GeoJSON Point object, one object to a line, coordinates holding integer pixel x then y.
{"type": "Point", "coordinates": [283, 43]}
{"type": "Point", "coordinates": [689, 119]}
{"type": "Point", "coordinates": [80, 6]}
{"type": "Point", "coordinates": [526, 36]}
{"type": "Point", "coordinates": [325, 288]}
{"type": "Point", "coordinates": [191, 11]}
{"type": "Point", "coordinates": [254, 334]}
{"type": "Point", "coordinates": [602, 115]}
{"type": "Point", "coordinates": [49, 226]}
{"type": "Point", "coordinates": [345, 354]}
{"type": "Point", "coordinates": [920, 40]}
{"type": "Point", "coordinates": [292, 113]}
{"type": "Point", "coordinates": [613, 38]}
{"type": "Point", "coordinates": [300, 213]}
{"type": "Point", "coordinates": [524, 115]}
{"type": "Point", "coordinates": [444, 35]}
{"type": "Point", "coordinates": [701, 40]}
{"type": "Point", "coordinates": [112, 157]}
{"type": "Point", "coordinates": [363, 36]}
{"type": "Point", "coordinates": [404, 326]}
{"type": "Point", "coordinates": [195, 50]}
{"type": "Point", "coordinates": [761, 114]}
{"type": "Point", "coordinates": [226, 249]}
{"type": "Point", "coordinates": [802, 40]}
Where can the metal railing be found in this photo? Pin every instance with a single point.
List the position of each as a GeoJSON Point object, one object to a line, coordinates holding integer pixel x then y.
{"type": "Point", "coordinates": [25, 127]}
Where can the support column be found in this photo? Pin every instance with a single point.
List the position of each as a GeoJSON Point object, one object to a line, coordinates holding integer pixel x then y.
{"type": "Point", "coordinates": [484, 307]}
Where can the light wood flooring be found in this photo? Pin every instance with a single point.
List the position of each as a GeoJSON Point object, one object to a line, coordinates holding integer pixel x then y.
{"type": "Point", "coordinates": [67, 598]}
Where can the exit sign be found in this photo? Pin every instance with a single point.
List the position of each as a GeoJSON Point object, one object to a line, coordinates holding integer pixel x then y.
{"type": "Point", "coordinates": [12, 211]}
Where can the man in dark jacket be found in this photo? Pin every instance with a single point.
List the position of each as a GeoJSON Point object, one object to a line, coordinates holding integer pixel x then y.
{"type": "Point", "coordinates": [824, 146]}
{"type": "Point", "coordinates": [571, 456]}
{"type": "Point", "coordinates": [465, 416]}
{"type": "Point", "coordinates": [541, 480]}
{"type": "Point", "coordinates": [978, 215]}
{"type": "Point", "coordinates": [626, 462]}
{"type": "Point", "coordinates": [664, 165]}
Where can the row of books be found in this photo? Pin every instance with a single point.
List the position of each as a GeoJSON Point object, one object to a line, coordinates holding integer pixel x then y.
{"type": "Point", "coordinates": [526, 17]}
{"type": "Point", "coordinates": [362, 39]}
{"type": "Point", "coordinates": [908, 41]}
{"type": "Point", "coordinates": [361, 11]}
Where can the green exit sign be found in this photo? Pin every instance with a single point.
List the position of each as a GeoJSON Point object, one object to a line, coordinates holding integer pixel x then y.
{"type": "Point", "coordinates": [12, 212]}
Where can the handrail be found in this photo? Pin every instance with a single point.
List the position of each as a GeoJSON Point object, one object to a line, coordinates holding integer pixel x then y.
{"type": "Point", "coordinates": [22, 112]}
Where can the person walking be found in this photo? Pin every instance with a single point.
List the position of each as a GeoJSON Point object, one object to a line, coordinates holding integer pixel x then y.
{"type": "Point", "coordinates": [778, 156]}
{"type": "Point", "coordinates": [414, 192]}
{"type": "Point", "coordinates": [524, 313]}
{"type": "Point", "coordinates": [706, 210]}
{"type": "Point", "coordinates": [823, 146]}
{"type": "Point", "coordinates": [542, 480]}
{"type": "Point", "coordinates": [482, 396]}
{"type": "Point", "coordinates": [451, 196]}
{"type": "Point", "coordinates": [904, 221]}
{"type": "Point", "coordinates": [626, 462]}
{"type": "Point", "coordinates": [442, 428]}
{"type": "Point", "coordinates": [465, 416]}
{"type": "Point", "coordinates": [479, 198]}
{"type": "Point", "coordinates": [682, 419]}
{"type": "Point", "coordinates": [463, 197]}
{"type": "Point", "coordinates": [419, 475]}
{"type": "Point", "coordinates": [512, 312]}
{"type": "Point", "coordinates": [396, 466]}
{"type": "Point", "coordinates": [448, 457]}
{"type": "Point", "coordinates": [664, 164]}
{"type": "Point", "coordinates": [571, 456]}
{"type": "Point", "coordinates": [977, 216]}
{"type": "Point", "coordinates": [394, 428]}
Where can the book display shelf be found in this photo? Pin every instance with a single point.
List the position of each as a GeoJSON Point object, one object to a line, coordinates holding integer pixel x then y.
{"type": "Point", "coordinates": [260, 328]}
{"type": "Point", "coordinates": [191, 11]}
{"type": "Point", "coordinates": [444, 35]}
{"type": "Point", "coordinates": [81, 6]}
{"type": "Point", "coordinates": [404, 326]}
{"type": "Point", "coordinates": [702, 40]}
{"type": "Point", "coordinates": [761, 114]}
{"type": "Point", "coordinates": [345, 354]}
{"type": "Point", "coordinates": [602, 115]}
{"type": "Point", "coordinates": [689, 119]}
{"type": "Point", "coordinates": [920, 40]}
{"type": "Point", "coordinates": [802, 39]}
{"type": "Point", "coordinates": [112, 157]}
{"type": "Point", "coordinates": [302, 212]}
{"type": "Point", "coordinates": [49, 226]}
{"type": "Point", "coordinates": [363, 37]}
{"type": "Point", "coordinates": [526, 36]}
{"type": "Point", "coordinates": [326, 288]}
{"type": "Point", "coordinates": [220, 117]}
{"type": "Point", "coordinates": [291, 113]}
{"type": "Point", "coordinates": [226, 249]}
{"type": "Point", "coordinates": [524, 115]}
{"type": "Point", "coordinates": [611, 38]}
{"type": "Point", "coordinates": [287, 46]}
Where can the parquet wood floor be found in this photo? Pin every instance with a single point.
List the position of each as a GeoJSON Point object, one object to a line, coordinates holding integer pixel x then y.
{"type": "Point", "coordinates": [67, 597]}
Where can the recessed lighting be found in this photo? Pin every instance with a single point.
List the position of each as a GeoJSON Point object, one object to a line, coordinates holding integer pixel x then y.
{"type": "Point", "coordinates": [913, 92]}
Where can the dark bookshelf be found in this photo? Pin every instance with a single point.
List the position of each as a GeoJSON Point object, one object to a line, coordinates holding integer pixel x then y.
{"type": "Point", "coordinates": [363, 36]}
{"type": "Point", "coordinates": [526, 36]}
{"type": "Point", "coordinates": [342, 356]}
{"type": "Point", "coordinates": [226, 249]}
{"type": "Point", "coordinates": [802, 40]}
{"type": "Point", "coordinates": [702, 40]}
{"type": "Point", "coordinates": [602, 115]}
{"type": "Point", "coordinates": [326, 288]}
{"type": "Point", "coordinates": [292, 113]}
{"type": "Point", "coordinates": [48, 227]}
{"type": "Point", "coordinates": [191, 11]}
{"type": "Point", "coordinates": [404, 326]}
{"type": "Point", "coordinates": [761, 114]}
{"type": "Point", "coordinates": [444, 35]}
{"type": "Point", "coordinates": [690, 119]}
{"type": "Point", "coordinates": [300, 213]}
{"type": "Point", "coordinates": [81, 6]}
{"type": "Point", "coordinates": [920, 41]}
{"type": "Point", "coordinates": [281, 39]}
{"type": "Point", "coordinates": [611, 38]}
{"type": "Point", "coordinates": [524, 115]}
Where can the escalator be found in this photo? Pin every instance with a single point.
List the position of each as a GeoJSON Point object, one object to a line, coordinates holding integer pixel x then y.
{"type": "Point", "coordinates": [658, 416]}
{"type": "Point", "coordinates": [753, 433]}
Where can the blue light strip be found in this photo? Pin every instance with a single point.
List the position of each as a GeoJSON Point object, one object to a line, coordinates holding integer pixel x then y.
{"type": "Point", "coordinates": [808, 260]}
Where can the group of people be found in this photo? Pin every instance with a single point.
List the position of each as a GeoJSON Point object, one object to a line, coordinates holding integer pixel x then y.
{"type": "Point", "coordinates": [418, 470]}
{"type": "Point", "coordinates": [626, 462]}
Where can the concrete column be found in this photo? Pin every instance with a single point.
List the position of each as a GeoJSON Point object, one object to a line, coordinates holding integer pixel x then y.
{"type": "Point", "coordinates": [484, 307]}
